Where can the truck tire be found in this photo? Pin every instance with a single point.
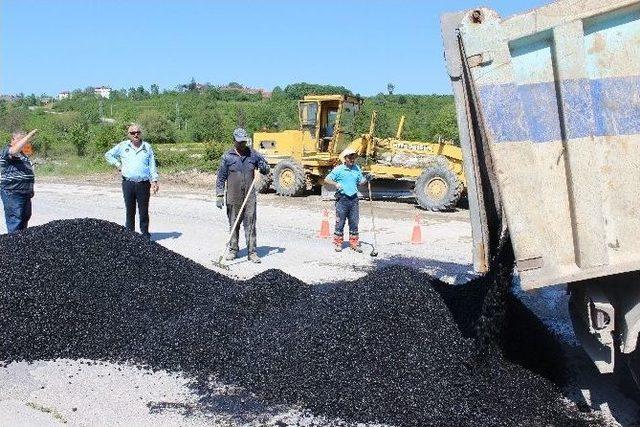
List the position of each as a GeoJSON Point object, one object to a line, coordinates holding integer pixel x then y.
{"type": "Point", "coordinates": [437, 188]}
{"type": "Point", "coordinates": [263, 185]}
{"type": "Point", "coordinates": [289, 178]}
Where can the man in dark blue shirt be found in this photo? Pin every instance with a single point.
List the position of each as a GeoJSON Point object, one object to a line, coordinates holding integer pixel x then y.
{"type": "Point", "coordinates": [237, 169]}
{"type": "Point", "coordinates": [16, 180]}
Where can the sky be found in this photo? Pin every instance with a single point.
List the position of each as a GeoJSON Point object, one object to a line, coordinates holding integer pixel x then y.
{"type": "Point", "coordinates": [48, 46]}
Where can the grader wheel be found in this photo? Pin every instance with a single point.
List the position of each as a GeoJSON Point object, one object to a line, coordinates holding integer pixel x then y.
{"type": "Point", "coordinates": [289, 178]}
{"type": "Point", "coordinates": [438, 189]}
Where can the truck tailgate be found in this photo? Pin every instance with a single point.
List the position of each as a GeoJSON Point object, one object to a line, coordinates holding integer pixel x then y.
{"type": "Point", "coordinates": [549, 114]}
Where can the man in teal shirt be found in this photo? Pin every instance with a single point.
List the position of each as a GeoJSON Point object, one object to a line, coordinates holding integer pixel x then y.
{"type": "Point", "coordinates": [136, 162]}
{"type": "Point", "coordinates": [346, 178]}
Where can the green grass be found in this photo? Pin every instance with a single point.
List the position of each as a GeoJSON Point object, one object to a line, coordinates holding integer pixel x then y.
{"type": "Point", "coordinates": [171, 158]}
{"type": "Point", "coordinates": [72, 165]}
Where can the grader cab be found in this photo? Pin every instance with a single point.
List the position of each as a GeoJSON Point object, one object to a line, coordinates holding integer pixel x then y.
{"type": "Point", "coordinates": [300, 159]}
{"type": "Point", "coordinates": [430, 172]}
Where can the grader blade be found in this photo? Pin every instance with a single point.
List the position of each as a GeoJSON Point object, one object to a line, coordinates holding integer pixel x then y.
{"type": "Point", "coordinates": [381, 189]}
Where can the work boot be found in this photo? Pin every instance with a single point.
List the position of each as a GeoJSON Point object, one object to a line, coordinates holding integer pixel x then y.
{"type": "Point", "coordinates": [354, 244]}
{"type": "Point", "coordinates": [254, 258]}
{"type": "Point", "coordinates": [231, 255]}
{"type": "Point", "coordinates": [337, 243]}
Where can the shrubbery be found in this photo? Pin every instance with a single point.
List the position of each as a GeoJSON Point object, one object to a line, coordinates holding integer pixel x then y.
{"type": "Point", "coordinates": [74, 127]}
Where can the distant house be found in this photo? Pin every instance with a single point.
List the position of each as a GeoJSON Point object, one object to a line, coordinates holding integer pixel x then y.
{"type": "Point", "coordinates": [103, 91]}
{"type": "Point", "coordinates": [248, 90]}
{"type": "Point", "coordinates": [63, 95]}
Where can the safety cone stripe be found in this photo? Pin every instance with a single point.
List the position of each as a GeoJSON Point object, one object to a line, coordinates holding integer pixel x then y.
{"type": "Point", "coordinates": [324, 226]}
{"type": "Point", "coordinates": [416, 234]}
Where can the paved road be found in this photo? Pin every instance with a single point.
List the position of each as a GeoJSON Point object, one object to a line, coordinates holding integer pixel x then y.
{"type": "Point", "coordinates": [190, 224]}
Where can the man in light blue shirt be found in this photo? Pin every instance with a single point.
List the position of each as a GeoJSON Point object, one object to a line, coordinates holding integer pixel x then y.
{"type": "Point", "coordinates": [346, 178]}
{"type": "Point", "coordinates": [136, 162]}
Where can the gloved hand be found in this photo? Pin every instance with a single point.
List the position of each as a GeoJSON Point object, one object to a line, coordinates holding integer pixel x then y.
{"type": "Point", "coordinates": [219, 202]}
{"type": "Point", "coordinates": [264, 168]}
{"type": "Point", "coordinates": [369, 177]}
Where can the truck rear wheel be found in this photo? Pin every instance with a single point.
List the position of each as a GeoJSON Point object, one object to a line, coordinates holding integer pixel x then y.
{"type": "Point", "coordinates": [437, 188]}
{"type": "Point", "coordinates": [289, 178]}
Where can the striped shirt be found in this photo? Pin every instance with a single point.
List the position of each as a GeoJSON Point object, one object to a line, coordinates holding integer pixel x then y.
{"type": "Point", "coordinates": [16, 172]}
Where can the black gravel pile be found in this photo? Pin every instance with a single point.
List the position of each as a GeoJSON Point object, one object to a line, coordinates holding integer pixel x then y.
{"type": "Point", "coordinates": [396, 346]}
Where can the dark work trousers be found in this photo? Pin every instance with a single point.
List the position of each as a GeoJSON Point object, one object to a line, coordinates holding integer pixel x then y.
{"type": "Point", "coordinates": [137, 193]}
{"type": "Point", "coordinates": [248, 219]}
{"type": "Point", "coordinates": [17, 209]}
{"type": "Point", "coordinates": [347, 209]}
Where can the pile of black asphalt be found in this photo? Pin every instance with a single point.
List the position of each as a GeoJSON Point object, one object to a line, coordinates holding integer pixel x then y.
{"type": "Point", "coordinates": [396, 347]}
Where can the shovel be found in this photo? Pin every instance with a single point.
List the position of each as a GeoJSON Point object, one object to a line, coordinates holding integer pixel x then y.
{"type": "Point", "coordinates": [219, 263]}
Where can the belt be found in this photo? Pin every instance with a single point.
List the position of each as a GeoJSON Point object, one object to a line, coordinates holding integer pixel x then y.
{"type": "Point", "coordinates": [135, 179]}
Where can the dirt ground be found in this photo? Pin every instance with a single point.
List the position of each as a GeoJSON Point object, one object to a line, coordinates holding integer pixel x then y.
{"type": "Point", "coordinates": [184, 219]}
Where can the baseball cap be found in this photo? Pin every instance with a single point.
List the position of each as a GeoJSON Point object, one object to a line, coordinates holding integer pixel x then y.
{"type": "Point", "coordinates": [239, 134]}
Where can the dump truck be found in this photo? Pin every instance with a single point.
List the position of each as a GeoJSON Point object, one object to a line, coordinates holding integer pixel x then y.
{"type": "Point", "coordinates": [432, 172]}
{"type": "Point", "coordinates": [548, 107]}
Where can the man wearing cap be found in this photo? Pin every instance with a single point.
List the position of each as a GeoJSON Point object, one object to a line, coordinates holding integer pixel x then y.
{"type": "Point", "coordinates": [136, 162]}
{"type": "Point", "coordinates": [346, 178]}
{"type": "Point", "coordinates": [16, 180]}
{"type": "Point", "coordinates": [237, 170]}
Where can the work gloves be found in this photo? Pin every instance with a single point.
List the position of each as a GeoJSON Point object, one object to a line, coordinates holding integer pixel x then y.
{"type": "Point", "coordinates": [219, 202]}
{"type": "Point", "coordinates": [369, 177]}
{"type": "Point", "coordinates": [264, 169]}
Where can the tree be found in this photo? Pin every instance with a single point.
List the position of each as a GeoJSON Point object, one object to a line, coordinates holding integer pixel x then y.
{"type": "Point", "coordinates": [31, 100]}
{"type": "Point", "coordinates": [155, 90]}
{"type": "Point", "coordinates": [299, 90]}
{"type": "Point", "coordinates": [241, 117]}
{"type": "Point", "coordinates": [207, 125]}
{"type": "Point", "coordinates": [157, 128]}
{"type": "Point", "coordinates": [390, 88]}
{"type": "Point", "coordinates": [78, 137]}
{"type": "Point", "coordinates": [190, 87]}
{"type": "Point", "coordinates": [234, 85]}
{"type": "Point", "coordinates": [105, 135]}
{"type": "Point", "coordinates": [444, 124]}
{"type": "Point", "coordinates": [277, 93]}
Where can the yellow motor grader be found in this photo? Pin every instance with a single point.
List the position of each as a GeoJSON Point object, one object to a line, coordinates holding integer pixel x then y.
{"type": "Point", "coordinates": [431, 172]}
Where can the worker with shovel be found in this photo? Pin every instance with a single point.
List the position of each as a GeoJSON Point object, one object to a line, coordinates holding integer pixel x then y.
{"type": "Point", "coordinates": [346, 178]}
{"type": "Point", "coordinates": [237, 170]}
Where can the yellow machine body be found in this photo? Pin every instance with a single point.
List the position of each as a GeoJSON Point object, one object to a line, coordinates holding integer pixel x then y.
{"type": "Point", "coordinates": [327, 127]}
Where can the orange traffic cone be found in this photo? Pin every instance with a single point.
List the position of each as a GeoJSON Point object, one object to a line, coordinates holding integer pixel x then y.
{"type": "Point", "coordinates": [416, 234]}
{"type": "Point", "coordinates": [324, 226]}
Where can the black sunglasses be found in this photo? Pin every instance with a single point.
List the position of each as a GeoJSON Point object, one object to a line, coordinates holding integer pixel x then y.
{"type": "Point", "coordinates": [137, 132]}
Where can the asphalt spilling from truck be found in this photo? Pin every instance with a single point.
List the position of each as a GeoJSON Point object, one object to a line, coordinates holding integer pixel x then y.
{"type": "Point", "coordinates": [396, 347]}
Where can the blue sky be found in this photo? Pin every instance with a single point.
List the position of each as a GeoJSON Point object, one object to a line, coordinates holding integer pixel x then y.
{"type": "Point", "coordinates": [50, 46]}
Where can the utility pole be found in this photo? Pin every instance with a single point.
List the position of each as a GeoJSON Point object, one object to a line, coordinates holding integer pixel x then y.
{"type": "Point", "coordinates": [178, 116]}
